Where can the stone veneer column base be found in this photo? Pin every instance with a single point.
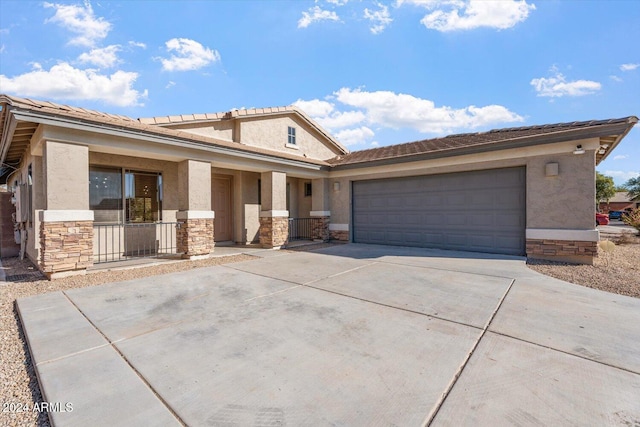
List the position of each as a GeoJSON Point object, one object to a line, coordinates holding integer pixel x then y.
{"type": "Point", "coordinates": [320, 228]}
{"type": "Point", "coordinates": [579, 252]}
{"type": "Point", "coordinates": [274, 231]}
{"type": "Point", "coordinates": [66, 246]}
{"type": "Point", "coordinates": [339, 235]}
{"type": "Point", "coordinates": [195, 234]}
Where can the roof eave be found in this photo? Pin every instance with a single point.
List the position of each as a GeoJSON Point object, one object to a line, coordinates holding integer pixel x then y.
{"type": "Point", "coordinates": [575, 134]}
{"type": "Point", "coordinates": [86, 125]}
{"type": "Point", "coordinates": [631, 122]}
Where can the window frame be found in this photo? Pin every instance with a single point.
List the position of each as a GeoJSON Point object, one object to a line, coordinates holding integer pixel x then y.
{"type": "Point", "coordinates": [291, 137]}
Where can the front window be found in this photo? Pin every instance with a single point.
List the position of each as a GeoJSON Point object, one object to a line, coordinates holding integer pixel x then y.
{"type": "Point", "coordinates": [291, 136]}
{"type": "Point", "coordinates": [143, 196]}
{"type": "Point", "coordinates": [138, 200]}
{"type": "Point", "coordinates": [105, 194]}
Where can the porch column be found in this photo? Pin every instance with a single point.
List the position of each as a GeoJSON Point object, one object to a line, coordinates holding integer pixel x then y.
{"type": "Point", "coordinates": [66, 223]}
{"type": "Point", "coordinates": [195, 217]}
{"type": "Point", "coordinates": [274, 217]}
{"type": "Point", "coordinates": [320, 209]}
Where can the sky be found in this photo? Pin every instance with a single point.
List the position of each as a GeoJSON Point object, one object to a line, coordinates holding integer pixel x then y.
{"type": "Point", "coordinates": [373, 73]}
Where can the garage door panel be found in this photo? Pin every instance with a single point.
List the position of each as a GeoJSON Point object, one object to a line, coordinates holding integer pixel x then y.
{"type": "Point", "coordinates": [479, 211]}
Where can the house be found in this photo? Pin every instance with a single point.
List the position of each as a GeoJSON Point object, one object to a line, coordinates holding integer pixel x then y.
{"type": "Point", "coordinates": [95, 186]}
{"type": "Point", "coordinates": [619, 202]}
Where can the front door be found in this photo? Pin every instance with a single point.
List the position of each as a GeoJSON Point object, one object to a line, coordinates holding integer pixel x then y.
{"type": "Point", "coordinates": [221, 205]}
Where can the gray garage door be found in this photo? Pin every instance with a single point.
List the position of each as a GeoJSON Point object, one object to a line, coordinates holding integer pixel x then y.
{"type": "Point", "coordinates": [480, 211]}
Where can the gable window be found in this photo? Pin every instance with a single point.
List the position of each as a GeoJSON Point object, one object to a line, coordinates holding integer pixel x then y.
{"type": "Point", "coordinates": [291, 136]}
{"type": "Point", "coordinates": [307, 189]}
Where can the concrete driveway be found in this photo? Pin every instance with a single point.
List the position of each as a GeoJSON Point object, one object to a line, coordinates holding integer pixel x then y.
{"type": "Point", "coordinates": [348, 335]}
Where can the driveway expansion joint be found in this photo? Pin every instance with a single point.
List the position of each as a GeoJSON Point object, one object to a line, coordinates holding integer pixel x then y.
{"type": "Point", "coordinates": [457, 375]}
{"type": "Point", "coordinates": [138, 374]}
{"type": "Point", "coordinates": [564, 352]}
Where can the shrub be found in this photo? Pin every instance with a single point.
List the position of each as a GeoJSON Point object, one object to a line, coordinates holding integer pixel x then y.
{"type": "Point", "coordinates": [632, 218]}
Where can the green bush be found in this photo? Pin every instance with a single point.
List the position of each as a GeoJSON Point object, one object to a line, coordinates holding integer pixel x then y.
{"type": "Point", "coordinates": [632, 218]}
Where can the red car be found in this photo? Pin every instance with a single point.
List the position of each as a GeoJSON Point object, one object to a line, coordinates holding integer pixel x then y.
{"type": "Point", "coordinates": [602, 219]}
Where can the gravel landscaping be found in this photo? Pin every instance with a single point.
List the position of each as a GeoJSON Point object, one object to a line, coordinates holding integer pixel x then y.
{"type": "Point", "coordinates": [617, 271]}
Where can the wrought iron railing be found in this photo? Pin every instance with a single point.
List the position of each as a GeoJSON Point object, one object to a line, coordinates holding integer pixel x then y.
{"type": "Point", "coordinates": [119, 242]}
{"type": "Point", "coordinates": [303, 228]}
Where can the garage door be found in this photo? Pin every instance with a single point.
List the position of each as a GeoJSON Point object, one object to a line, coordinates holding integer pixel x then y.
{"type": "Point", "coordinates": [480, 211]}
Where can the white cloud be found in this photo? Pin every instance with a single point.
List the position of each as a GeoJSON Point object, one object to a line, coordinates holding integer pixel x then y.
{"type": "Point", "coordinates": [558, 86]}
{"type": "Point", "coordinates": [615, 78]}
{"type": "Point", "coordinates": [380, 19]}
{"type": "Point", "coordinates": [105, 57]}
{"type": "Point", "coordinates": [189, 55]}
{"type": "Point", "coordinates": [325, 114]}
{"type": "Point", "coordinates": [629, 67]}
{"type": "Point", "coordinates": [316, 14]}
{"type": "Point", "coordinates": [2, 49]}
{"type": "Point", "coordinates": [347, 108]}
{"type": "Point", "coordinates": [315, 107]}
{"type": "Point", "coordinates": [170, 84]}
{"type": "Point", "coordinates": [452, 15]}
{"type": "Point", "coordinates": [622, 175]}
{"type": "Point", "coordinates": [81, 21]}
{"type": "Point", "coordinates": [354, 136]}
{"type": "Point", "coordinates": [388, 109]}
{"type": "Point", "coordinates": [338, 2]}
{"type": "Point", "coordinates": [137, 44]}
{"type": "Point", "coordinates": [339, 120]}
{"type": "Point", "coordinates": [621, 157]}
{"type": "Point", "coordinates": [63, 82]}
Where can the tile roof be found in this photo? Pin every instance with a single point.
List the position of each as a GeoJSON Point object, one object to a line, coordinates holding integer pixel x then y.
{"type": "Point", "coordinates": [489, 139]}
{"type": "Point", "coordinates": [252, 112]}
{"type": "Point", "coordinates": [124, 122]}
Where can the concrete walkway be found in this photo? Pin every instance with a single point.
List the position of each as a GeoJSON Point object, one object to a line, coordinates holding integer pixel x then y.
{"type": "Point", "coordinates": [347, 335]}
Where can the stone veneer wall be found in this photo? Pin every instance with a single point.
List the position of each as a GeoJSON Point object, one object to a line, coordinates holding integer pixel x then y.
{"type": "Point", "coordinates": [320, 228]}
{"type": "Point", "coordinates": [195, 237]}
{"type": "Point", "coordinates": [342, 236]}
{"type": "Point", "coordinates": [65, 246]}
{"type": "Point", "coordinates": [565, 248]}
{"type": "Point", "coordinates": [274, 231]}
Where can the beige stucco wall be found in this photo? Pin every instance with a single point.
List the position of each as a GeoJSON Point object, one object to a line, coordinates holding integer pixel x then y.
{"type": "Point", "coordinates": [66, 176]}
{"type": "Point", "coordinates": [272, 133]}
{"type": "Point", "coordinates": [194, 185]}
{"type": "Point", "coordinates": [565, 201]}
{"type": "Point", "coordinates": [219, 129]}
{"type": "Point", "coordinates": [274, 191]}
{"type": "Point", "coordinates": [320, 195]}
{"type": "Point", "coordinates": [304, 202]}
{"type": "Point", "coordinates": [340, 201]}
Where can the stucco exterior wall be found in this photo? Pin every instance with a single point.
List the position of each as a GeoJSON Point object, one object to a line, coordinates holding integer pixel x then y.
{"type": "Point", "coordinates": [565, 201]}
{"type": "Point", "coordinates": [304, 202]}
{"type": "Point", "coordinates": [194, 183]}
{"type": "Point", "coordinates": [272, 133]}
{"type": "Point", "coordinates": [66, 174]}
{"type": "Point", "coordinates": [250, 223]}
{"type": "Point", "coordinates": [219, 129]}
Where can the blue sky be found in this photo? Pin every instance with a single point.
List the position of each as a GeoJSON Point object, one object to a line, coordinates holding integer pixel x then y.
{"type": "Point", "coordinates": [373, 73]}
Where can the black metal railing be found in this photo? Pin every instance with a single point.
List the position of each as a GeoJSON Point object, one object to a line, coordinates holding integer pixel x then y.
{"type": "Point", "coordinates": [119, 242]}
{"type": "Point", "coordinates": [303, 228]}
